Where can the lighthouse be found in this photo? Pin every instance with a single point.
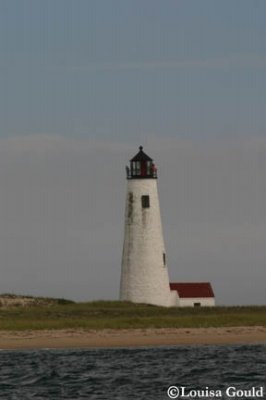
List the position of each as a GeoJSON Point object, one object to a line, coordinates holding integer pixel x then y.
{"type": "Point", "coordinates": [144, 273]}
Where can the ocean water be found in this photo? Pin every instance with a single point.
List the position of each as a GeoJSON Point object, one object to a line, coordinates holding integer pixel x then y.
{"type": "Point", "coordinates": [141, 373]}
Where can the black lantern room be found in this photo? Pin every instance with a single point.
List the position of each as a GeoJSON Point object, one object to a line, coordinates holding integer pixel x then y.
{"type": "Point", "coordinates": [141, 167]}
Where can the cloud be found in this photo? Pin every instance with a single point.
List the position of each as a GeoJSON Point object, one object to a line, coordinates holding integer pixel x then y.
{"type": "Point", "coordinates": [229, 61]}
{"type": "Point", "coordinates": [213, 198]}
{"type": "Point", "coordinates": [56, 218]}
{"type": "Point", "coordinates": [62, 208]}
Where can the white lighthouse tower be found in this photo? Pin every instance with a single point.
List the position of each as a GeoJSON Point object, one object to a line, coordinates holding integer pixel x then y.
{"type": "Point", "coordinates": [144, 276]}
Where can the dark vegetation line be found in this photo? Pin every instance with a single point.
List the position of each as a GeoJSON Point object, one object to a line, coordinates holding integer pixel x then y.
{"type": "Point", "coordinates": [47, 313]}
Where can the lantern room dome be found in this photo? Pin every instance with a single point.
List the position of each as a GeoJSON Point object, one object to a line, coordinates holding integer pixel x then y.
{"type": "Point", "coordinates": [141, 156]}
{"type": "Point", "coordinates": [141, 166]}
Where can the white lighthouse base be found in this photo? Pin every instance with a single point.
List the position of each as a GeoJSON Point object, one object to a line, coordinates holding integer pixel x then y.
{"type": "Point", "coordinates": [144, 277]}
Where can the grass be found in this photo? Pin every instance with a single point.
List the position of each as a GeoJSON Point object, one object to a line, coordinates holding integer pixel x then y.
{"type": "Point", "coordinates": [64, 314]}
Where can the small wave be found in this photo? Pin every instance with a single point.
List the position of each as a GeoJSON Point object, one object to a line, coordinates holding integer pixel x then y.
{"type": "Point", "coordinates": [126, 373]}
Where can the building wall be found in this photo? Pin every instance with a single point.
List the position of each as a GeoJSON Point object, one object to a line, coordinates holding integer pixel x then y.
{"type": "Point", "coordinates": [189, 302]}
{"type": "Point", "coordinates": [144, 275]}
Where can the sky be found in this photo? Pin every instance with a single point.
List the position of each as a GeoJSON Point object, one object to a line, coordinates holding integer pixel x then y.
{"type": "Point", "coordinates": [82, 85]}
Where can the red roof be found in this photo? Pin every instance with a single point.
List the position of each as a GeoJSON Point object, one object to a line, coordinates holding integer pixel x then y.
{"type": "Point", "coordinates": [193, 289]}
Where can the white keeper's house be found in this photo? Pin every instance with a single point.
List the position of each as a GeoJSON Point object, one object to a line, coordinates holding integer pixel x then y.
{"type": "Point", "coordinates": [144, 274]}
{"type": "Point", "coordinates": [194, 294]}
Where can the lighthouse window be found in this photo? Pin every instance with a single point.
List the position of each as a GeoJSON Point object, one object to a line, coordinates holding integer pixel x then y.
{"type": "Point", "coordinates": [136, 166]}
{"type": "Point", "coordinates": [145, 201]}
{"type": "Point", "coordinates": [164, 259]}
{"type": "Point", "coordinates": [149, 167]}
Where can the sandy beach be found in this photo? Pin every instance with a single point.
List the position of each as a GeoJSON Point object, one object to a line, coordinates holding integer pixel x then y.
{"type": "Point", "coordinates": [130, 338]}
